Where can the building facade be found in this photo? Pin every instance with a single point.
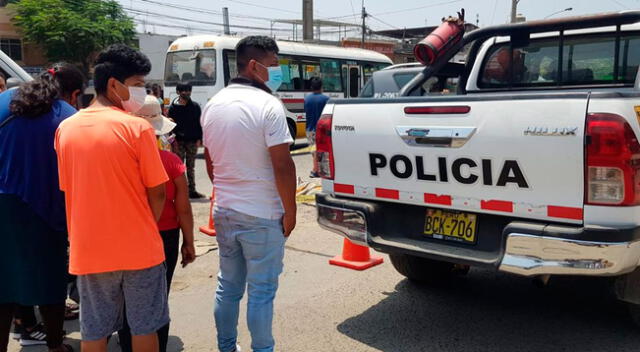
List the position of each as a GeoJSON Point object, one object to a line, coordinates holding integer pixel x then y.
{"type": "Point", "coordinates": [28, 55]}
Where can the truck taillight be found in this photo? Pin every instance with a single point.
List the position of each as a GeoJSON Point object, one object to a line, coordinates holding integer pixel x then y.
{"type": "Point", "coordinates": [324, 147]}
{"type": "Point", "coordinates": [612, 175]}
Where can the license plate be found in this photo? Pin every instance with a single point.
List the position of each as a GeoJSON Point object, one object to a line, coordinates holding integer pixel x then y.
{"type": "Point", "coordinates": [455, 226]}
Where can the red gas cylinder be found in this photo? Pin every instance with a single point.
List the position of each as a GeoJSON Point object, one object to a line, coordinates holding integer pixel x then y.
{"type": "Point", "coordinates": [440, 40]}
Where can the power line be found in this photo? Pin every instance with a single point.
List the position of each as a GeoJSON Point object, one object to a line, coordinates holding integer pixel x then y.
{"type": "Point", "coordinates": [176, 26]}
{"type": "Point", "coordinates": [155, 14]}
{"type": "Point", "coordinates": [383, 22]}
{"type": "Point", "coordinates": [621, 4]}
{"type": "Point", "coordinates": [417, 8]}
{"type": "Point", "coordinates": [200, 10]}
{"type": "Point", "coordinates": [208, 11]}
{"type": "Point", "coordinates": [355, 15]}
{"type": "Point", "coordinates": [179, 20]}
{"type": "Point", "coordinates": [263, 7]}
{"type": "Point", "coordinates": [495, 6]}
{"type": "Point", "coordinates": [400, 11]}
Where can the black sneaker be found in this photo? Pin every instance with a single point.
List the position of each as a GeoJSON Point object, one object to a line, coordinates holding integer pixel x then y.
{"type": "Point", "coordinates": [37, 336]}
{"type": "Point", "coordinates": [313, 174]}
{"type": "Point", "coordinates": [196, 195]}
{"type": "Point", "coordinates": [18, 329]}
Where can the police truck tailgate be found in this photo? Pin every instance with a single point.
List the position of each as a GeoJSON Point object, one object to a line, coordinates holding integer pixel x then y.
{"type": "Point", "coordinates": [515, 155]}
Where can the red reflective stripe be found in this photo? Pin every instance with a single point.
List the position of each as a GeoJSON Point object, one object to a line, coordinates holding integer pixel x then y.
{"type": "Point", "coordinates": [338, 187]}
{"type": "Point", "coordinates": [414, 110]}
{"type": "Point", "coordinates": [497, 205]}
{"type": "Point", "coordinates": [293, 101]}
{"type": "Point", "coordinates": [437, 199]}
{"type": "Point", "coordinates": [387, 193]}
{"type": "Point", "coordinates": [564, 212]}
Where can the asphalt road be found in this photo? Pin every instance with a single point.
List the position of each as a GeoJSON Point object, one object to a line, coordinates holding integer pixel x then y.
{"type": "Point", "coordinates": [326, 308]}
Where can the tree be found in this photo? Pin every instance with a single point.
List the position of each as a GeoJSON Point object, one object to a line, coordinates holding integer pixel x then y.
{"type": "Point", "coordinates": [73, 30]}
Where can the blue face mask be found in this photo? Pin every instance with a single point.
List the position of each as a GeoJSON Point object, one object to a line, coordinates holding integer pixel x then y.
{"type": "Point", "coordinates": [275, 77]}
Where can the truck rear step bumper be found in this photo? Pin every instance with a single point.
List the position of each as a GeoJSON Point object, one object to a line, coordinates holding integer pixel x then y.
{"type": "Point", "coordinates": [529, 255]}
{"type": "Point", "coordinates": [525, 248]}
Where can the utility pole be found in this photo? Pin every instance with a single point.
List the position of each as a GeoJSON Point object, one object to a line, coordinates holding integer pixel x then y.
{"type": "Point", "coordinates": [307, 20]}
{"type": "Point", "coordinates": [514, 10]}
{"type": "Point", "coordinates": [364, 26]}
{"type": "Point", "coordinates": [225, 20]}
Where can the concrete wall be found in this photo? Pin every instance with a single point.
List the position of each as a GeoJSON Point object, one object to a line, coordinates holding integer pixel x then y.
{"type": "Point", "coordinates": [155, 47]}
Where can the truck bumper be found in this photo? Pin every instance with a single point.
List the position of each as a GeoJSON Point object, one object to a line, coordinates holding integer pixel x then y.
{"type": "Point", "coordinates": [526, 248]}
{"type": "Point", "coordinates": [529, 255]}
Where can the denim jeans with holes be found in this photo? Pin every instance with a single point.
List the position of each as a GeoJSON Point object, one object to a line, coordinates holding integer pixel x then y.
{"type": "Point", "coordinates": [251, 254]}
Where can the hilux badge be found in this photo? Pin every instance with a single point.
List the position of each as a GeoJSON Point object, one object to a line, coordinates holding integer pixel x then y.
{"type": "Point", "coordinates": [554, 131]}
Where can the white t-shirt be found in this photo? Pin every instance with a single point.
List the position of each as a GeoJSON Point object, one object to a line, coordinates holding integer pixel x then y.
{"type": "Point", "coordinates": [239, 124]}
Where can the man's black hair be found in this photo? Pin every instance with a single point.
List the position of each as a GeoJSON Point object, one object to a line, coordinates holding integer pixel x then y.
{"type": "Point", "coordinates": [254, 47]}
{"type": "Point", "coordinates": [120, 62]}
{"type": "Point", "coordinates": [315, 83]}
{"type": "Point", "coordinates": [184, 87]}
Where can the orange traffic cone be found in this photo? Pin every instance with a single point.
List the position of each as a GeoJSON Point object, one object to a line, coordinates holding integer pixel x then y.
{"type": "Point", "coordinates": [210, 229]}
{"type": "Point", "coordinates": [355, 257]}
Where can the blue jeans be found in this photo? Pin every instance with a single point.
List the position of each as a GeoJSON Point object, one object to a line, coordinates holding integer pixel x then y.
{"type": "Point", "coordinates": [251, 253]}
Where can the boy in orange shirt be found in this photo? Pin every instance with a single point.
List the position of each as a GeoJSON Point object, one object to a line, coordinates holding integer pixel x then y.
{"type": "Point", "coordinates": [114, 184]}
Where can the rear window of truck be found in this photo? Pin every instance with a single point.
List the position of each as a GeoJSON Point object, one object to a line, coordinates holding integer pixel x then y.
{"type": "Point", "coordinates": [573, 61]}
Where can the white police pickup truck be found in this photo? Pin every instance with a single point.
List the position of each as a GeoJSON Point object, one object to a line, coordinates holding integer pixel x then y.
{"type": "Point", "coordinates": [532, 168]}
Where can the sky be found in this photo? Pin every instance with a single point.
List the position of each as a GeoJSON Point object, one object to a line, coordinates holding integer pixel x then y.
{"type": "Point", "coordinates": [180, 17]}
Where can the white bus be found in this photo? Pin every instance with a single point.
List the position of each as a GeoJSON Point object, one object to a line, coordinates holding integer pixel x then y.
{"type": "Point", "coordinates": [208, 63]}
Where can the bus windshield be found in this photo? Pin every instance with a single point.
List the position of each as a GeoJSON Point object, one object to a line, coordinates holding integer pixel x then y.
{"type": "Point", "coordinates": [195, 67]}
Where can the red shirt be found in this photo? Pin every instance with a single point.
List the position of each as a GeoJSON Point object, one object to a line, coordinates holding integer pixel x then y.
{"type": "Point", "coordinates": [174, 168]}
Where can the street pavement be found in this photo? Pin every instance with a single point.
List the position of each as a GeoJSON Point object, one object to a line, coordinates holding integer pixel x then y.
{"type": "Point", "coordinates": [326, 308]}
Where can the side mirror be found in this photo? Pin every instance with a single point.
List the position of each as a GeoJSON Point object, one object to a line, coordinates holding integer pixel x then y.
{"type": "Point", "coordinates": [13, 82]}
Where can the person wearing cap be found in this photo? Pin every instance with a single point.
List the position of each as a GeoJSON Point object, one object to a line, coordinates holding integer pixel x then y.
{"type": "Point", "coordinates": [176, 215]}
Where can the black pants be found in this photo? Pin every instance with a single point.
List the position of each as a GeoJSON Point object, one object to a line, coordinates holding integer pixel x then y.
{"type": "Point", "coordinates": [171, 240]}
{"type": "Point", "coordinates": [52, 315]}
{"type": "Point", "coordinates": [26, 315]}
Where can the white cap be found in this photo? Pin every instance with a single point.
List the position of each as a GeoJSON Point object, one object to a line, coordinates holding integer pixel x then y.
{"type": "Point", "coordinates": [152, 112]}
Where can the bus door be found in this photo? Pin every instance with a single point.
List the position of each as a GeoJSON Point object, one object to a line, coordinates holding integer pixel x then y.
{"type": "Point", "coordinates": [352, 80]}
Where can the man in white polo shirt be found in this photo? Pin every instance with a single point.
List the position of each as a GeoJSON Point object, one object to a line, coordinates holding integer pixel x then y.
{"type": "Point", "coordinates": [246, 136]}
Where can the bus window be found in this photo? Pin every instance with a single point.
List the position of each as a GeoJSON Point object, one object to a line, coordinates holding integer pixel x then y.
{"type": "Point", "coordinates": [345, 75]}
{"type": "Point", "coordinates": [330, 74]}
{"type": "Point", "coordinates": [290, 74]}
{"type": "Point", "coordinates": [309, 70]}
{"type": "Point", "coordinates": [369, 68]}
{"type": "Point", "coordinates": [195, 67]}
{"type": "Point", "coordinates": [230, 68]}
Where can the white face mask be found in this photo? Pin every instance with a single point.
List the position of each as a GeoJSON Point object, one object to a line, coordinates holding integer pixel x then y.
{"type": "Point", "coordinates": [137, 96]}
